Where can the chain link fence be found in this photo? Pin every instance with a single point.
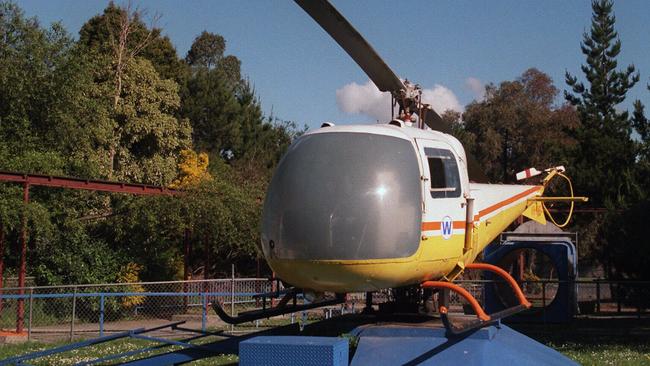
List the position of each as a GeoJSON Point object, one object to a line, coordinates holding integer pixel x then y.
{"type": "Point", "coordinates": [66, 313]}
{"type": "Point", "coordinates": [55, 313]}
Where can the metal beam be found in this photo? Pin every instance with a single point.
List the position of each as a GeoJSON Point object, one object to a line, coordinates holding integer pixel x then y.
{"type": "Point", "coordinates": [86, 184]}
{"type": "Point", "coordinates": [28, 180]}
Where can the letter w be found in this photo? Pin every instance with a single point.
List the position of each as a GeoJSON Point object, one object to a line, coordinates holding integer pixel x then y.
{"type": "Point", "coordinates": [446, 227]}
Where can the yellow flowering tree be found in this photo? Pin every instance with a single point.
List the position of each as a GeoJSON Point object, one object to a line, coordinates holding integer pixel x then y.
{"type": "Point", "coordinates": [193, 169]}
{"type": "Point", "coordinates": [131, 274]}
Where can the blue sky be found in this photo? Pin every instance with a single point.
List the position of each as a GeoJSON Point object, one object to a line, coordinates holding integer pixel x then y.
{"type": "Point", "coordinates": [442, 45]}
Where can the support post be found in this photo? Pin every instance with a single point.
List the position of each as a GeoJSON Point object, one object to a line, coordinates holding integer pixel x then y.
{"type": "Point", "coordinates": [186, 265]}
{"type": "Point", "coordinates": [2, 262]}
{"type": "Point", "coordinates": [31, 312]}
{"type": "Point", "coordinates": [368, 309]}
{"type": "Point", "coordinates": [20, 316]}
{"type": "Point", "coordinates": [469, 224]}
{"type": "Point", "coordinates": [597, 295]}
{"type": "Point", "coordinates": [232, 295]}
{"type": "Point", "coordinates": [618, 297]}
{"type": "Point", "coordinates": [206, 263]}
{"type": "Point", "coordinates": [74, 313]}
{"type": "Point", "coordinates": [544, 300]}
{"type": "Point", "coordinates": [101, 315]}
{"type": "Point", "coordinates": [204, 312]}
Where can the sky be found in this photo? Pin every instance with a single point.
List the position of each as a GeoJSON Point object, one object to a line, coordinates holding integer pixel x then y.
{"type": "Point", "coordinates": [452, 48]}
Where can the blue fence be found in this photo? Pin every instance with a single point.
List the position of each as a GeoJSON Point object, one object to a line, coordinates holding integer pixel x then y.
{"type": "Point", "coordinates": [66, 313]}
{"type": "Point", "coordinates": [69, 312]}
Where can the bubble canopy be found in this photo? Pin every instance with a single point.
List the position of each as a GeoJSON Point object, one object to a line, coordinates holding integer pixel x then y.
{"type": "Point", "coordinates": [344, 195]}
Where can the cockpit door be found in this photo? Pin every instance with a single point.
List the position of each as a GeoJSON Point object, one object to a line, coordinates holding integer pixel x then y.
{"type": "Point", "coordinates": [443, 188]}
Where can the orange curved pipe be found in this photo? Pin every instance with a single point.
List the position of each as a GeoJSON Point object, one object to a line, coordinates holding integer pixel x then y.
{"type": "Point", "coordinates": [506, 276]}
{"type": "Point", "coordinates": [462, 292]}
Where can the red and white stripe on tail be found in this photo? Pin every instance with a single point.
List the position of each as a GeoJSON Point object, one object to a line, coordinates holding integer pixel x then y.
{"type": "Point", "coordinates": [530, 172]}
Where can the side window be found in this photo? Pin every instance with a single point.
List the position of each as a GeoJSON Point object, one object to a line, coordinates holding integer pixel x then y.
{"type": "Point", "coordinates": [443, 169]}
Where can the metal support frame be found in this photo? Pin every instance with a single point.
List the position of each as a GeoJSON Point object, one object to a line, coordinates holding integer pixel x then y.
{"type": "Point", "coordinates": [281, 308]}
{"type": "Point", "coordinates": [20, 316]}
{"type": "Point", "coordinates": [28, 180]}
{"type": "Point", "coordinates": [482, 319]}
{"type": "Point", "coordinates": [135, 333]}
{"type": "Point", "coordinates": [88, 184]}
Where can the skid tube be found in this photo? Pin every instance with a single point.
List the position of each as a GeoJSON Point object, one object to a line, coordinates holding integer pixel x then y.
{"type": "Point", "coordinates": [482, 319]}
{"type": "Point", "coordinates": [281, 308]}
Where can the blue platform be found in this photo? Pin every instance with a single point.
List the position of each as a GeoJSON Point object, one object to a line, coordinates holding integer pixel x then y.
{"type": "Point", "coordinates": [293, 350]}
{"type": "Point", "coordinates": [562, 253]}
{"type": "Point", "coordinates": [502, 346]}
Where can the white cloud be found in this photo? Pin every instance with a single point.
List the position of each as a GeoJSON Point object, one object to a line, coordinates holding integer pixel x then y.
{"type": "Point", "coordinates": [367, 100]}
{"type": "Point", "coordinates": [364, 99]}
{"type": "Point", "coordinates": [441, 99]}
{"type": "Point", "coordinates": [476, 86]}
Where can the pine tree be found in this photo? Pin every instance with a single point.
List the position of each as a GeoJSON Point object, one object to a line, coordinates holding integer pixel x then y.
{"type": "Point", "coordinates": [605, 156]}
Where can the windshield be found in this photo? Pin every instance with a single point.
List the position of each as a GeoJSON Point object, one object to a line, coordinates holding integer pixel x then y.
{"type": "Point", "coordinates": [343, 195]}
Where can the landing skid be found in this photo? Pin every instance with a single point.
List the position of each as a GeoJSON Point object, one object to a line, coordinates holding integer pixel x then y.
{"type": "Point", "coordinates": [482, 319]}
{"type": "Point", "coordinates": [283, 307]}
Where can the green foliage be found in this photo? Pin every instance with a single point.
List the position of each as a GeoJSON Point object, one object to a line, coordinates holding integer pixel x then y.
{"type": "Point", "coordinates": [147, 139]}
{"type": "Point", "coordinates": [626, 236]}
{"type": "Point", "coordinates": [517, 126]}
{"type": "Point", "coordinates": [605, 155]}
{"type": "Point", "coordinates": [213, 111]}
{"type": "Point", "coordinates": [207, 50]}
{"type": "Point", "coordinates": [101, 32]}
{"type": "Point", "coordinates": [62, 112]}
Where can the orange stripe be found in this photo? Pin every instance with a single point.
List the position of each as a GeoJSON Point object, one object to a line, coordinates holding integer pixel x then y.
{"type": "Point", "coordinates": [435, 225]}
{"type": "Point", "coordinates": [510, 200]}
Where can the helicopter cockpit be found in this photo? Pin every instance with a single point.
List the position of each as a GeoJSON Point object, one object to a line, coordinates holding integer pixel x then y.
{"type": "Point", "coordinates": [362, 191]}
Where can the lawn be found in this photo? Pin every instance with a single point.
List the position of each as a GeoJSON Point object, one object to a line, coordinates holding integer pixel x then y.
{"type": "Point", "coordinates": [105, 349]}
{"type": "Point", "coordinates": [608, 354]}
{"type": "Point", "coordinates": [589, 342]}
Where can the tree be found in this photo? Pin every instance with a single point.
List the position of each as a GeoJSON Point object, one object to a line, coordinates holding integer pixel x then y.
{"type": "Point", "coordinates": [642, 126]}
{"type": "Point", "coordinates": [213, 111]}
{"type": "Point", "coordinates": [605, 154]}
{"type": "Point", "coordinates": [206, 51]}
{"type": "Point", "coordinates": [516, 126]}
{"type": "Point", "coordinates": [103, 32]}
{"type": "Point", "coordinates": [146, 138]}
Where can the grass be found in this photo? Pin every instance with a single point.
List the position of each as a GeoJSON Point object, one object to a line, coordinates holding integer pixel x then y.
{"type": "Point", "coordinates": [105, 349]}
{"type": "Point", "coordinates": [589, 342]}
{"type": "Point", "coordinates": [609, 341]}
{"type": "Point", "coordinates": [609, 354]}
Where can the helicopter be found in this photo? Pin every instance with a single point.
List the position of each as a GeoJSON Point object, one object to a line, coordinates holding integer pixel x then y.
{"type": "Point", "coordinates": [362, 208]}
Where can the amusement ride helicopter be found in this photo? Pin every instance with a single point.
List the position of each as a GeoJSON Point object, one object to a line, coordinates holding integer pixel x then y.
{"type": "Point", "coordinates": [361, 208]}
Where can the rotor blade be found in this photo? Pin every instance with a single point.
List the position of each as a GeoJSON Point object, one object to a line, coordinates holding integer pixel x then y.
{"type": "Point", "coordinates": [474, 169]}
{"type": "Point", "coordinates": [435, 122]}
{"type": "Point", "coordinates": [326, 15]}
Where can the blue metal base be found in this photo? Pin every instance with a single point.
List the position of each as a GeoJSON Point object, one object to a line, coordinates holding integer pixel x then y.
{"type": "Point", "coordinates": [293, 350]}
{"type": "Point", "coordinates": [401, 345]}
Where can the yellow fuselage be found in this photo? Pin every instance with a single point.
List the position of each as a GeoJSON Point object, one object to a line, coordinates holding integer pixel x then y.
{"type": "Point", "coordinates": [436, 258]}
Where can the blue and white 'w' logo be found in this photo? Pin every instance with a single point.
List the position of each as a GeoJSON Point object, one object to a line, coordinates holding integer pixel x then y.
{"type": "Point", "coordinates": [446, 227]}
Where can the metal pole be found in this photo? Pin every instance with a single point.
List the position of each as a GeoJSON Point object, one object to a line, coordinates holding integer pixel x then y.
{"type": "Point", "coordinates": [544, 300]}
{"type": "Point", "coordinates": [232, 295]}
{"type": "Point", "coordinates": [20, 316]}
{"type": "Point", "coordinates": [618, 297]}
{"type": "Point", "coordinates": [204, 311]}
{"type": "Point", "coordinates": [469, 224]}
{"type": "Point", "coordinates": [598, 295]}
{"type": "Point", "coordinates": [2, 261]}
{"type": "Point", "coordinates": [31, 307]}
{"type": "Point", "coordinates": [186, 265]}
{"type": "Point", "coordinates": [101, 315]}
{"type": "Point", "coordinates": [74, 313]}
